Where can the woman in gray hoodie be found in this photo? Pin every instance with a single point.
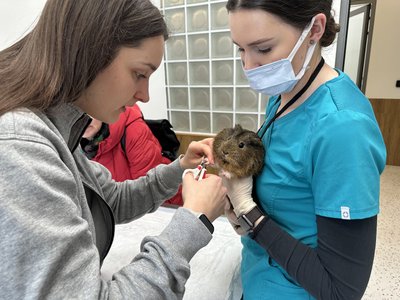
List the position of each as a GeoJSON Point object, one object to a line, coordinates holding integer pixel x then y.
{"type": "Point", "coordinates": [57, 208]}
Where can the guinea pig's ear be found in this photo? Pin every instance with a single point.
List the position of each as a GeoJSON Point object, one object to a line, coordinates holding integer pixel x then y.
{"type": "Point", "coordinates": [228, 132]}
{"type": "Point", "coordinates": [255, 141]}
{"type": "Point", "coordinates": [238, 127]}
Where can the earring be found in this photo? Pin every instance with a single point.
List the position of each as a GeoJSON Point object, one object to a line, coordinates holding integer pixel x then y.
{"type": "Point", "coordinates": [312, 42]}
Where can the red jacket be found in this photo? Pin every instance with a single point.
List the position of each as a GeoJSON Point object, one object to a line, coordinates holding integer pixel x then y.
{"type": "Point", "coordinates": [143, 151]}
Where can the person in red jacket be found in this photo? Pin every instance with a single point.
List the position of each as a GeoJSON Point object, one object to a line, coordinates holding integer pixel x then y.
{"type": "Point", "coordinates": [102, 143]}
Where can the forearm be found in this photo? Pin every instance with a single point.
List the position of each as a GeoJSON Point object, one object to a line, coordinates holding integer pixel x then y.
{"type": "Point", "coordinates": [161, 269]}
{"type": "Point", "coordinates": [338, 268]}
{"type": "Point", "coordinates": [52, 255]}
{"type": "Point", "coordinates": [132, 199]}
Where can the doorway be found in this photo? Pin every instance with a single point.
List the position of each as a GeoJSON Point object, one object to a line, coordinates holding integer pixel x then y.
{"type": "Point", "coordinates": [358, 42]}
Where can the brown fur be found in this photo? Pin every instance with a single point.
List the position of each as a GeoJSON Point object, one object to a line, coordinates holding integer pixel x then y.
{"type": "Point", "coordinates": [238, 151]}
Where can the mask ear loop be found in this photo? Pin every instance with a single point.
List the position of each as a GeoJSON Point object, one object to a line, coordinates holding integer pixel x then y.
{"type": "Point", "coordinates": [303, 36]}
{"type": "Point", "coordinates": [310, 50]}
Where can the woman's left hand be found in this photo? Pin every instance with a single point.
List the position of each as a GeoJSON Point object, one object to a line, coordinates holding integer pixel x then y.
{"type": "Point", "coordinates": [195, 152]}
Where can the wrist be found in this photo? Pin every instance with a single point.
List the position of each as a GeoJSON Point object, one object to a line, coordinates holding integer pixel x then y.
{"type": "Point", "coordinates": [250, 220]}
{"type": "Point", "coordinates": [244, 207]}
{"type": "Point", "coordinates": [182, 162]}
{"type": "Point", "coordinates": [204, 219]}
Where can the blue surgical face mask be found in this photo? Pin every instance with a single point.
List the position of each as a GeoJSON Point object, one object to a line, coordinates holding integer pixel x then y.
{"type": "Point", "coordinates": [278, 77]}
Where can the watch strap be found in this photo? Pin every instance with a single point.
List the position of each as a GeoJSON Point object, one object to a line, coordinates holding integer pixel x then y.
{"type": "Point", "coordinates": [203, 218]}
{"type": "Point", "coordinates": [247, 221]}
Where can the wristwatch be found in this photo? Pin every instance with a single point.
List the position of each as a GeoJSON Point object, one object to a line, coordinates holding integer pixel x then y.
{"type": "Point", "coordinates": [247, 221]}
{"type": "Point", "coordinates": [207, 222]}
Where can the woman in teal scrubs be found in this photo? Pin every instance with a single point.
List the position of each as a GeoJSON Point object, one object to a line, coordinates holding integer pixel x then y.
{"type": "Point", "coordinates": [310, 225]}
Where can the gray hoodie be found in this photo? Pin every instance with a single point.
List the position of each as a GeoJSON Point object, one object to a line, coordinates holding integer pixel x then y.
{"type": "Point", "coordinates": [57, 214]}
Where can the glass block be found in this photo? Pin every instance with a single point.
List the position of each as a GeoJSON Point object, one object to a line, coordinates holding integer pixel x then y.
{"type": "Point", "coordinates": [205, 83]}
{"type": "Point", "coordinates": [223, 99]}
{"type": "Point", "coordinates": [237, 53]}
{"type": "Point", "coordinates": [176, 48]}
{"type": "Point", "coordinates": [198, 46]}
{"type": "Point", "coordinates": [178, 98]}
{"type": "Point", "coordinates": [200, 98]}
{"type": "Point", "coordinates": [247, 121]}
{"type": "Point", "coordinates": [219, 16]}
{"type": "Point", "coordinates": [201, 122]}
{"type": "Point", "coordinates": [221, 121]}
{"type": "Point", "coordinates": [199, 73]}
{"type": "Point", "coordinates": [169, 3]}
{"type": "Point", "coordinates": [197, 18]}
{"type": "Point", "coordinates": [177, 73]}
{"type": "Point", "coordinates": [175, 19]}
{"type": "Point", "coordinates": [240, 76]}
{"type": "Point", "coordinates": [246, 100]}
{"type": "Point", "coordinates": [222, 72]}
{"type": "Point", "coordinates": [180, 120]}
{"type": "Point", "coordinates": [221, 45]}
{"type": "Point", "coordinates": [264, 103]}
{"type": "Point", "coordinates": [195, 1]}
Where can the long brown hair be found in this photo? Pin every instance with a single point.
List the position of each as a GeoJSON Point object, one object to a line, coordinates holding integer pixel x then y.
{"type": "Point", "coordinates": [72, 42]}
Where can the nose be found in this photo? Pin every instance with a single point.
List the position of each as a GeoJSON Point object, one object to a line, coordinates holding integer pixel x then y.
{"type": "Point", "coordinates": [249, 62]}
{"type": "Point", "coordinates": [142, 92]}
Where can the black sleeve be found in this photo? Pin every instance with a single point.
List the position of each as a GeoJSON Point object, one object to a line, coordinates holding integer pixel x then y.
{"type": "Point", "coordinates": [338, 268]}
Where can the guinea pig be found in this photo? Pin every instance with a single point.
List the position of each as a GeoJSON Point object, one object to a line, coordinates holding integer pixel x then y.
{"type": "Point", "coordinates": [238, 152]}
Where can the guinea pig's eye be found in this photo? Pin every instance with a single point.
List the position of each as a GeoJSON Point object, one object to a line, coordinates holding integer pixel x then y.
{"type": "Point", "coordinates": [241, 145]}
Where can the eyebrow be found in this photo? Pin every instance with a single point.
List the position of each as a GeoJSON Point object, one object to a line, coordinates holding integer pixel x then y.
{"type": "Point", "coordinates": [151, 66]}
{"type": "Point", "coordinates": [257, 42]}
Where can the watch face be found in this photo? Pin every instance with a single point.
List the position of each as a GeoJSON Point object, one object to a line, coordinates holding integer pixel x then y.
{"type": "Point", "coordinates": [207, 222]}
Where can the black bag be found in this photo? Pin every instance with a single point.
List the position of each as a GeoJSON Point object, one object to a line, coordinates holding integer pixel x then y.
{"type": "Point", "coordinates": [162, 130]}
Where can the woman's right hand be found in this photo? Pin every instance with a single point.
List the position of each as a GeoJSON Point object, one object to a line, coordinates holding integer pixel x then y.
{"type": "Point", "coordinates": [207, 196]}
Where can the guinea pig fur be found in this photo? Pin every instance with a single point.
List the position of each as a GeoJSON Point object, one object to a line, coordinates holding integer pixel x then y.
{"type": "Point", "coordinates": [238, 152]}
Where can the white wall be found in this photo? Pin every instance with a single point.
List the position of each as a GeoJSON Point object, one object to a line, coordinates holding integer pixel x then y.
{"type": "Point", "coordinates": [384, 64]}
{"type": "Point", "coordinates": [17, 18]}
{"type": "Point", "coordinates": [329, 53]}
{"type": "Point", "coordinates": [156, 108]}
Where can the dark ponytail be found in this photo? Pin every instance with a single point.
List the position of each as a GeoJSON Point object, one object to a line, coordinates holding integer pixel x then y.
{"type": "Point", "coordinates": [331, 29]}
{"type": "Point", "coordinates": [297, 13]}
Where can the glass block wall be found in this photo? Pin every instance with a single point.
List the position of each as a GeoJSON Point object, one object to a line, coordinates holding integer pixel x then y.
{"type": "Point", "coordinates": [206, 86]}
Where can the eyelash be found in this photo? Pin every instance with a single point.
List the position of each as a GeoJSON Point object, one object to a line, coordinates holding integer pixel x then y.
{"type": "Point", "coordinates": [139, 75]}
{"type": "Point", "coordinates": [262, 51]}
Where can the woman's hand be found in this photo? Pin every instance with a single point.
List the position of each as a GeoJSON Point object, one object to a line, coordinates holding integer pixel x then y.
{"type": "Point", "coordinates": [239, 193]}
{"type": "Point", "coordinates": [207, 196]}
{"type": "Point", "coordinates": [195, 152]}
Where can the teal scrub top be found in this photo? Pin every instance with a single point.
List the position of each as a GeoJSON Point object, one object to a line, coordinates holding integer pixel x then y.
{"type": "Point", "coordinates": [323, 158]}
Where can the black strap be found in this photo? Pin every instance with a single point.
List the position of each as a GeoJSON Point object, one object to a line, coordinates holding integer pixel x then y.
{"type": "Point", "coordinates": [163, 132]}
{"type": "Point", "coordinates": [294, 99]}
{"type": "Point", "coordinates": [123, 140]}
